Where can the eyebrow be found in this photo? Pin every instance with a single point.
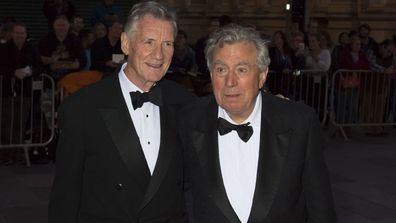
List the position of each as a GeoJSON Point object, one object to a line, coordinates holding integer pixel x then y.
{"type": "Point", "coordinates": [243, 63]}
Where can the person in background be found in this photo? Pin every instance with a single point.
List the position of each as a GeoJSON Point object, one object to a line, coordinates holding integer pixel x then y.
{"type": "Point", "coordinates": [343, 41]}
{"type": "Point", "coordinates": [184, 57]}
{"type": "Point", "coordinates": [54, 8]}
{"type": "Point", "coordinates": [349, 83]}
{"type": "Point", "coordinates": [61, 52]}
{"type": "Point", "coordinates": [213, 25]}
{"type": "Point", "coordinates": [383, 63]}
{"type": "Point", "coordinates": [317, 58]}
{"type": "Point", "coordinates": [107, 12]}
{"type": "Point", "coordinates": [367, 41]}
{"type": "Point", "coordinates": [77, 24]}
{"type": "Point", "coordinates": [19, 62]}
{"type": "Point", "coordinates": [247, 157]}
{"type": "Point", "coordinates": [119, 157]}
{"type": "Point", "coordinates": [106, 53]}
{"type": "Point", "coordinates": [99, 30]}
{"type": "Point", "coordinates": [87, 38]}
{"type": "Point", "coordinates": [298, 51]}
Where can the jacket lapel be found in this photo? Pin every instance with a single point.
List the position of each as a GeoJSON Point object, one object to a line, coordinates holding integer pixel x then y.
{"type": "Point", "coordinates": [122, 131]}
{"type": "Point", "coordinates": [274, 146]}
{"type": "Point", "coordinates": [206, 147]}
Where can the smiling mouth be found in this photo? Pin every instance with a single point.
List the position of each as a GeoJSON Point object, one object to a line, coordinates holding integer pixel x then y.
{"type": "Point", "coordinates": [155, 66]}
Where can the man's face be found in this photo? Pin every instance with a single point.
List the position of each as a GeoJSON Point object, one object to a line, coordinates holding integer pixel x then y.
{"type": "Point", "coordinates": [78, 24]}
{"type": "Point", "coordinates": [61, 27]}
{"type": "Point", "coordinates": [313, 27]}
{"type": "Point", "coordinates": [149, 50]}
{"type": "Point", "coordinates": [297, 41]}
{"type": "Point", "coordinates": [364, 32]}
{"type": "Point", "coordinates": [116, 30]}
{"type": "Point", "coordinates": [19, 35]}
{"type": "Point", "coordinates": [236, 79]}
{"type": "Point", "coordinates": [213, 26]}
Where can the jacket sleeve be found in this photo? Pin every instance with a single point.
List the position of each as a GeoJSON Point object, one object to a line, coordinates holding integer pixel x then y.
{"type": "Point", "coordinates": [65, 194]}
{"type": "Point", "coordinates": [316, 184]}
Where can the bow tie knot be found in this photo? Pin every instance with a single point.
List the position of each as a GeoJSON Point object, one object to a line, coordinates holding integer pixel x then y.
{"type": "Point", "coordinates": [154, 96]}
{"type": "Point", "coordinates": [244, 131]}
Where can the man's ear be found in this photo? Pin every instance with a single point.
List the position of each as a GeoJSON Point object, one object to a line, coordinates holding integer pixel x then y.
{"type": "Point", "coordinates": [125, 43]}
{"type": "Point", "coordinates": [263, 77]}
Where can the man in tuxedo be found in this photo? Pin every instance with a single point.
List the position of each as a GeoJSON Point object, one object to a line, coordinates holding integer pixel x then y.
{"type": "Point", "coordinates": [119, 158]}
{"type": "Point", "coordinates": [251, 156]}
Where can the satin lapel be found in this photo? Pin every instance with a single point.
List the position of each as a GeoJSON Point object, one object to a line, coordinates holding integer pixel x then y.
{"type": "Point", "coordinates": [206, 148]}
{"type": "Point", "coordinates": [120, 126]}
{"type": "Point", "coordinates": [273, 152]}
{"type": "Point", "coordinates": [168, 144]}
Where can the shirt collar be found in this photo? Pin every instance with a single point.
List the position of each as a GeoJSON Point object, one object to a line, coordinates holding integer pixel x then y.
{"type": "Point", "coordinates": [126, 84]}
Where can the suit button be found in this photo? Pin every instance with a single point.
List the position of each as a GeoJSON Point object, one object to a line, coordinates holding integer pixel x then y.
{"type": "Point", "coordinates": [119, 186]}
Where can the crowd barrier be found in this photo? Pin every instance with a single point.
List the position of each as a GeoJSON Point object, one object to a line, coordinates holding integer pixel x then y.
{"type": "Point", "coordinates": [308, 86]}
{"type": "Point", "coordinates": [362, 98]}
{"type": "Point", "coordinates": [27, 113]}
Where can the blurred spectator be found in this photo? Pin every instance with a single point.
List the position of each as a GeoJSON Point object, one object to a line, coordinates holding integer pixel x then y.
{"type": "Point", "coordinates": [54, 8]}
{"type": "Point", "coordinates": [313, 28]}
{"type": "Point", "coordinates": [183, 57]}
{"type": "Point", "coordinates": [18, 62]}
{"type": "Point", "coordinates": [87, 38]}
{"type": "Point", "coordinates": [325, 41]}
{"type": "Point", "coordinates": [61, 52]}
{"type": "Point", "coordinates": [106, 52]}
{"type": "Point", "coordinates": [367, 41]}
{"type": "Point", "coordinates": [199, 49]}
{"type": "Point", "coordinates": [317, 58]}
{"type": "Point", "coordinates": [343, 41]}
{"type": "Point", "coordinates": [383, 61]}
{"type": "Point", "coordinates": [298, 50]}
{"type": "Point", "coordinates": [77, 25]}
{"type": "Point", "coordinates": [106, 12]}
{"type": "Point", "coordinates": [347, 91]}
{"type": "Point", "coordinates": [352, 57]}
{"type": "Point", "coordinates": [99, 30]}
{"type": "Point", "coordinates": [280, 54]}
{"type": "Point", "coordinates": [6, 31]}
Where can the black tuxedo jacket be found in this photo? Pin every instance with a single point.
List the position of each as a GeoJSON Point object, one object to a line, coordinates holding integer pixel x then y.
{"type": "Point", "coordinates": [292, 181]}
{"type": "Point", "coordinates": [101, 171]}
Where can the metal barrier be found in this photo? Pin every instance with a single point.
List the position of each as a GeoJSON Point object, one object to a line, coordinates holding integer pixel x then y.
{"type": "Point", "coordinates": [27, 113]}
{"type": "Point", "coordinates": [362, 98]}
{"type": "Point", "coordinates": [308, 86]}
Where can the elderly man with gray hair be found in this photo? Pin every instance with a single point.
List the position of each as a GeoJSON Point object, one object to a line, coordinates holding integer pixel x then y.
{"type": "Point", "coordinates": [119, 157]}
{"type": "Point", "coordinates": [251, 156]}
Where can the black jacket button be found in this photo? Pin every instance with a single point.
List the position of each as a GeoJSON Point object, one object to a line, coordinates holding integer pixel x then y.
{"type": "Point", "coordinates": [119, 186]}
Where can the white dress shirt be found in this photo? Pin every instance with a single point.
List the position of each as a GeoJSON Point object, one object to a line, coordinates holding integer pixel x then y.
{"type": "Point", "coordinates": [238, 162]}
{"type": "Point", "coordinates": [145, 119]}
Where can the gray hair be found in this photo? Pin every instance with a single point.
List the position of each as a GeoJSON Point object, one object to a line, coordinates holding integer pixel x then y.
{"type": "Point", "coordinates": [152, 8]}
{"type": "Point", "coordinates": [233, 34]}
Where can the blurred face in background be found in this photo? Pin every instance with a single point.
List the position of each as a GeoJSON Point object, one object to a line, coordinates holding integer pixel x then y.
{"type": "Point", "coordinates": [344, 39]}
{"type": "Point", "coordinates": [314, 43]}
{"type": "Point", "coordinates": [19, 35]}
{"type": "Point", "coordinates": [355, 44]}
{"type": "Point", "coordinates": [61, 27]}
{"type": "Point", "coordinates": [278, 40]}
{"type": "Point", "coordinates": [116, 29]}
{"type": "Point", "coordinates": [100, 31]}
{"type": "Point", "coordinates": [78, 24]}
{"type": "Point", "coordinates": [298, 40]}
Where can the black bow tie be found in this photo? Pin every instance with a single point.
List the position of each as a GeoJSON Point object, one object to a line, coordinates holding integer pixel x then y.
{"type": "Point", "coordinates": [154, 96]}
{"type": "Point", "coordinates": [244, 131]}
